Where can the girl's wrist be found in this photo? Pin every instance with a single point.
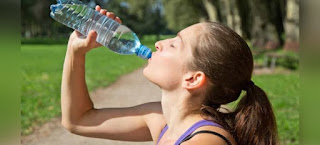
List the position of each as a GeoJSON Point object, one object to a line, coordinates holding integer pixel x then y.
{"type": "Point", "coordinates": [72, 53]}
{"type": "Point", "coordinates": [75, 57]}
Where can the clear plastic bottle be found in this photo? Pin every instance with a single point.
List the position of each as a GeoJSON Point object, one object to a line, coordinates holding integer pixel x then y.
{"type": "Point", "coordinates": [117, 37]}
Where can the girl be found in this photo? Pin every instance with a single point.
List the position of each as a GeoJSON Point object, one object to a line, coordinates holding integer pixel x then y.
{"type": "Point", "coordinates": [205, 66]}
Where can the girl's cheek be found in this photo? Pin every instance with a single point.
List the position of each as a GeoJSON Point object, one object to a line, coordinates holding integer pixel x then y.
{"type": "Point", "coordinates": [165, 53]}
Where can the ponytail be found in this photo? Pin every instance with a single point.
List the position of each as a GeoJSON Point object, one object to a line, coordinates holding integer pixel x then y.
{"type": "Point", "coordinates": [254, 119]}
{"type": "Point", "coordinates": [227, 61]}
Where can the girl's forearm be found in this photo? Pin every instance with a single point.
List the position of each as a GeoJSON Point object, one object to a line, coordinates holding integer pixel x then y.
{"type": "Point", "coordinates": [75, 99]}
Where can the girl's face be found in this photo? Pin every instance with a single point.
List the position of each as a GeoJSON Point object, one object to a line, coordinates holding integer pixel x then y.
{"type": "Point", "coordinates": [168, 64]}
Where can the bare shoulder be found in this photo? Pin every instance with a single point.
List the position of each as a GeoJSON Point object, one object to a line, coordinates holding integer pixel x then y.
{"type": "Point", "coordinates": [155, 119]}
{"type": "Point", "coordinates": [210, 139]}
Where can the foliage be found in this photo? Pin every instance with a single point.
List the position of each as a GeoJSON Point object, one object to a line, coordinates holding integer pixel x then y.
{"type": "Point", "coordinates": [144, 17]}
{"type": "Point", "coordinates": [290, 61]}
{"type": "Point", "coordinates": [149, 17]}
{"type": "Point", "coordinates": [45, 40]}
{"type": "Point", "coordinates": [261, 21]}
{"type": "Point", "coordinates": [182, 13]}
{"type": "Point", "coordinates": [286, 59]}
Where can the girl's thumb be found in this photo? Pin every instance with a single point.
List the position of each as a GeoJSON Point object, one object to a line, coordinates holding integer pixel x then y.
{"type": "Point", "coordinates": [92, 36]}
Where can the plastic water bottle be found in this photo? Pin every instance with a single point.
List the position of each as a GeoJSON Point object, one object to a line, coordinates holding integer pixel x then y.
{"type": "Point", "coordinates": [117, 37]}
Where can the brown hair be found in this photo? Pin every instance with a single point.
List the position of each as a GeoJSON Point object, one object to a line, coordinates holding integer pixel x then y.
{"type": "Point", "coordinates": [227, 61]}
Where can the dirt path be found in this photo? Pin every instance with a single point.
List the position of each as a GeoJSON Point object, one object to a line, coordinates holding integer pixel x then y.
{"type": "Point", "coordinates": [129, 90]}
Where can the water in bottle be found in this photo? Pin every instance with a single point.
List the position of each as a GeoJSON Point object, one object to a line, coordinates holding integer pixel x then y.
{"type": "Point", "coordinates": [117, 37]}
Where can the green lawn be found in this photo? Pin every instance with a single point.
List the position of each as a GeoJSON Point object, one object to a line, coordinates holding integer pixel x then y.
{"type": "Point", "coordinates": [42, 69]}
{"type": "Point", "coordinates": [283, 91]}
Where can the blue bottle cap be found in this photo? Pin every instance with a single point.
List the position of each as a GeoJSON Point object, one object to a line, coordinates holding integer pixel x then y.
{"type": "Point", "coordinates": [144, 52]}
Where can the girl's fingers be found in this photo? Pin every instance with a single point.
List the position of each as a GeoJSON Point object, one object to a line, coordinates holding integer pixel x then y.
{"type": "Point", "coordinates": [111, 15]}
{"type": "Point", "coordinates": [118, 20]}
{"type": "Point", "coordinates": [91, 37]}
{"type": "Point", "coordinates": [77, 33]}
{"type": "Point", "coordinates": [98, 8]}
{"type": "Point", "coordinates": [103, 11]}
{"type": "Point", "coordinates": [108, 14]}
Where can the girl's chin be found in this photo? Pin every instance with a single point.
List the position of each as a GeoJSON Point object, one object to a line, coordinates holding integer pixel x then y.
{"type": "Point", "coordinates": [147, 74]}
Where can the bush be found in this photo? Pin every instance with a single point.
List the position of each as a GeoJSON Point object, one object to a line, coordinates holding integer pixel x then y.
{"type": "Point", "coordinates": [290, 61]}
{"type": "Point", "coordinates": [285, 59]}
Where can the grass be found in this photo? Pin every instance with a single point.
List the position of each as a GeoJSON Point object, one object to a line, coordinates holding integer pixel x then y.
{"type": "Point", "coordinates": [283, 92]}
{"type": "Point", "coordinates": [42, 70]}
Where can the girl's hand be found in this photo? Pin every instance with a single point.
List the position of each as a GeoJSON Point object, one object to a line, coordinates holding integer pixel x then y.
{"type": "Point", "coordinates": [79, 44]}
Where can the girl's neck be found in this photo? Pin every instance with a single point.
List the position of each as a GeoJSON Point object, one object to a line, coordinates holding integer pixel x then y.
{"type": "Point", "coordinates": [181, 110]}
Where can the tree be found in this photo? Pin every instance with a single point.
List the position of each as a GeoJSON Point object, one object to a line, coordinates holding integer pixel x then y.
{"type": "Point", "coordinates": [143, 16]}
{"type": "Point", "coordinates": [149, 16]}
{"type": "Point", "coordinates": [230, 16]}
{"type": "Point", "coordinates": [267, 24]}
{"type": "Point", "coordinates": [292, 25]}
{"type": "Point", "coordinates": [212, 9]}
{"type": "Point", "coordinates": [34, 14]}
{"type": "Point", "coordinates": [36, 20]}
{"type": "Point", "coordinates": [265, 29]}
{"type": "Point", "coordinates": [260, 21]}
{"type": "Point", "coordinates": [182, 13]}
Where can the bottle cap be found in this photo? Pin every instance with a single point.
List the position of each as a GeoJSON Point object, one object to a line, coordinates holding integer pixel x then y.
{"type": "Point", "coordinates": [144, 52]}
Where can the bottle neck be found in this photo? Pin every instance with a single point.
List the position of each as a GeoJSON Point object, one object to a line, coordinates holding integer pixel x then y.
{"type": "Point", "coordinates": [144, 52]}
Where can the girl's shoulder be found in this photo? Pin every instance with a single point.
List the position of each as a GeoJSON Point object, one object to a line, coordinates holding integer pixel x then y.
{"type": "Point", "coordinates": [154, 119]}
{"type": "Point", "coordinates": [208, 138]}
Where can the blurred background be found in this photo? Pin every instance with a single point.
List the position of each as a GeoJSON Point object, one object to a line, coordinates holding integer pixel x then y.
{"type": "Point", "coordinates": [265, 24]}
{"type": "Point", "coordinates": [270, 27]}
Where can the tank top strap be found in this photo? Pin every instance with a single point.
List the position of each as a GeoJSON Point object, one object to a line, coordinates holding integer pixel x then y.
{"type": "Point", "coordinates": [194, 127]}
{"type": "Point", "coordinates": [162, 132]}
{"type": "Point", "coordinates": [190, 130]}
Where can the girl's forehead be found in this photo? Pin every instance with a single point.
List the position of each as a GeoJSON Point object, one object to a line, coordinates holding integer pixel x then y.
{"type": "Point", "coordinates": [190, 34]}
{"type": "Point", "coordinates": [189, 39]}
{"type": "Point", "coordinates": [192, 31]}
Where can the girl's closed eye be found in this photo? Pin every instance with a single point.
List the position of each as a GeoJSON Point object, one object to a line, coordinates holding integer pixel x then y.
{"type": "Point", "coordinates": [171, 45]}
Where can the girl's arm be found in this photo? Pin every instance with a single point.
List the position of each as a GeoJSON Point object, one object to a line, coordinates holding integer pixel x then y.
{"type": "Point", "coordinates": [139, 123]}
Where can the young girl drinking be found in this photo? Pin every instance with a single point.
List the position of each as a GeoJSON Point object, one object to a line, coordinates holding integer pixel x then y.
{"type": "Point", "coordinates": [205, 66]}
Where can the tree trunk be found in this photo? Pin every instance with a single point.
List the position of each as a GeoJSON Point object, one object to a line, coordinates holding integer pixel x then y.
{"type": "Point", "coordinates": [292, 25]}
{"type": "Point", "coordinates": [211, 10]}
{"type": "Point", "coordinates": [236, 17]}
{"type": "Point", "coordinates": [245, 16]}
{"type": "Point", "coordinates": [264, 33]}
{"type": "Point", "coordinates": [230, 15]}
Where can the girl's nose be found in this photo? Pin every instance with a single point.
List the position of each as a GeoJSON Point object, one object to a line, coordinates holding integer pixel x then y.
{"type": "Point", "coordinates": [158, 46]}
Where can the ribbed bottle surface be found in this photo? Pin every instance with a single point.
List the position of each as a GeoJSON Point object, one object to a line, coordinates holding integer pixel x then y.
{"type": "Point", "coordinates": [116, 37]}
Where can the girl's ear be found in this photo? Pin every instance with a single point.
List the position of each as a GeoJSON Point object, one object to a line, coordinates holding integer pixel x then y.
{"type": "Point", "coordinates": [193, 80]}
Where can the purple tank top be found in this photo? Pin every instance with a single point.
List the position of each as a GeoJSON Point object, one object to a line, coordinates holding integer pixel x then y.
{"type": "Point", "coordinates": [190, 130]}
